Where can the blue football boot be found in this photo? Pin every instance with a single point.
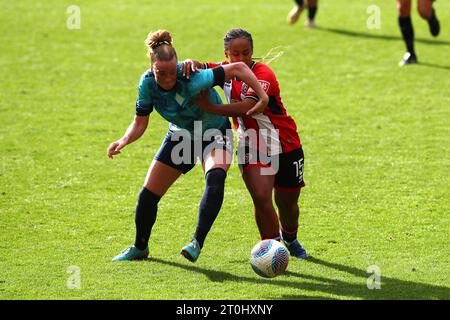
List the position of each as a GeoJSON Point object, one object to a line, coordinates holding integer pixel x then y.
{"type": "Point", "coordinates": [131, 253]}
{"type": "Point", "coordinates": [191, 251]}
{"type": "Point", "coordinates": [296, 249]}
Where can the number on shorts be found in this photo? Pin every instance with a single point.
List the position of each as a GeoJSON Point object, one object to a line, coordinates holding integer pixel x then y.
{"type": "Point", "coordinates": [299, 168]}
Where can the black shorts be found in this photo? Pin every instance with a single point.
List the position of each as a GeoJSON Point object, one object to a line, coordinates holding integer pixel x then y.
{"type": "Point", "coordinates": [181, 152]}
{"type": "Point", "coordinates": [287, 167]}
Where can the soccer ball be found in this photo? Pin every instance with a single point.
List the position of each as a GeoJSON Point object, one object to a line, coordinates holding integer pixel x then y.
{"type": "Point", "coordinates": [269, 258]}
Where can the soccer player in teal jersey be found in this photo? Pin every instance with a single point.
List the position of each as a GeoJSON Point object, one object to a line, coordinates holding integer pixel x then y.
{"type": "Point", "coordinates": [174, 105]}
{"type": "Point", "coordinates": [164, 89]}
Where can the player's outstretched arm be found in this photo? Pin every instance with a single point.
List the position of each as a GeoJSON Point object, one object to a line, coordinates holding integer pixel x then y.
{"type": "Point", "coordinates": [134, 132]}
{"type": "Point", "coordinates": [244, 73]}
{"type": "Point", "coordinates": [247, 107]}
{"type": "Point", "coordinates": [237, 109]}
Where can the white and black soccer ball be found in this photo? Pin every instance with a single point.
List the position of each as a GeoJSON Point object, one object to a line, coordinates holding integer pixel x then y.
{"type": "Point", "coordinates": [269, 258]}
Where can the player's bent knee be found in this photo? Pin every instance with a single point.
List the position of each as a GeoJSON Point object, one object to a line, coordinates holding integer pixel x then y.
{"type": "Point", "coordinates": [288, 207]}
{"type": "Point", "coordinates": [218, 159]}
{"type": "Point", "coordinates": [424, 13]}
{"type": "Point", "coordinates": [261, 199]}
{"type": "Point", "coordinates": [215, 176]}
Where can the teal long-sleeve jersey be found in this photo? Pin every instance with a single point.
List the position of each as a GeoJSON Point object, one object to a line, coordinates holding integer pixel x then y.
{"type": "Point", "coordinates": [176, 105]}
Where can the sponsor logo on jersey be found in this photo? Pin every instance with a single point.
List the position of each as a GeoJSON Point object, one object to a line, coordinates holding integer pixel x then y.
{"type": "Point", "coordinates": [264, 84]}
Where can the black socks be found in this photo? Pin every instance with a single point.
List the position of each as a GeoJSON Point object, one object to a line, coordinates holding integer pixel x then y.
{"type": "Point", "coordinates": [289, 236]}
{"type": "Point", "coordinates": [407, 33]}
{"type": "Point", "coordinates": [433, 23]}
{"type": "Point", "coordinates": [147, 207]}
{"type": "Point", "coordinates": [145, 217]}
{"type": "Point", "coordinates": [312, 13]}
{"type": "Point", "coordinates": [211, 203]}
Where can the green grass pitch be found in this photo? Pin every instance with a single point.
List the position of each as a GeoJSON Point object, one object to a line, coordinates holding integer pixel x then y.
{"type": "Point", "coordinates": [375, 136]}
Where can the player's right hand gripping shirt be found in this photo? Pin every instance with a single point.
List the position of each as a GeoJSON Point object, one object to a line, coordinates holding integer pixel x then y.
{"type": "Point", "coordinates": [277, 131]}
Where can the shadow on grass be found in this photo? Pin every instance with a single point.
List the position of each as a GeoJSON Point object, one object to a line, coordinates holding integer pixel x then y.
{"type": "Point", "coordinates": [366, 35]}
{"type": "Point", "coordinates": [390, 288]}
{"type": "Point", "coordinates": [432, 65]}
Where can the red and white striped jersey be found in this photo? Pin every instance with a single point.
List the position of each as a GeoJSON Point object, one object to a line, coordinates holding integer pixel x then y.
{"type": "Point", "coordinates": [280, 134]}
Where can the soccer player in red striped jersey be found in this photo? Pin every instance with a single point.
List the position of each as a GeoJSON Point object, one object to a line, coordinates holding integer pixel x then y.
{"type": "Point", "coordinates": [273, 117]}
{"type": "Point", "coordinates": [270, 152]}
